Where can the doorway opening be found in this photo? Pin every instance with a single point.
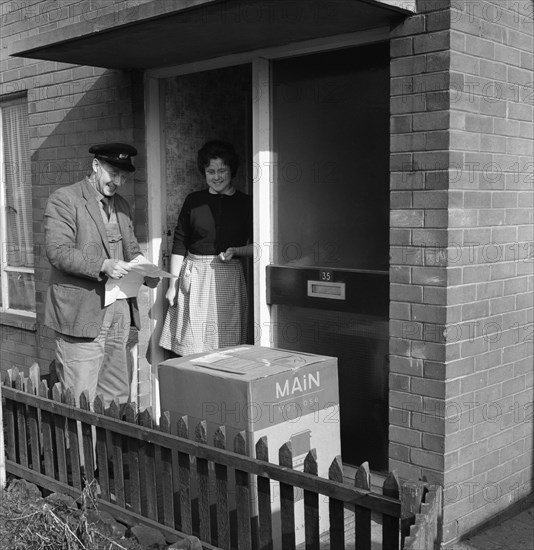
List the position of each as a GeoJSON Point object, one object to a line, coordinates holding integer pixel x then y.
{"type": "Point", "coordinates": [196, 108]}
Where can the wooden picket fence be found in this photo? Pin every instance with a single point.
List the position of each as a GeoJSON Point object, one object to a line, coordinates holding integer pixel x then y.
{"type": "Point", "coordinates": [181, 485]}
{"type": "Point", "coordinates": [425, 531]}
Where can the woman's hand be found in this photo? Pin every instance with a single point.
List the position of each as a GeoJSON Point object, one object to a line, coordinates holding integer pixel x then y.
{"type": "Point", "coordinates": [228, 255]}
{"type": "Point", "coordinates": [175, 269]}
{"type": "Point", "coordinates": [170, 295]}
{"type": "Point", "coordinates": [233, 251]}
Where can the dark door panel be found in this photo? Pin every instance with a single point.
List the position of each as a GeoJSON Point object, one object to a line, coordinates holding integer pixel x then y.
{"type": "Point", "coordinates": [329, 287]}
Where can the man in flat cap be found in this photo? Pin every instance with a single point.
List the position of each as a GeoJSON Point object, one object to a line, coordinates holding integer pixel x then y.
{"type": "Point", "coordinates": [90, 239]}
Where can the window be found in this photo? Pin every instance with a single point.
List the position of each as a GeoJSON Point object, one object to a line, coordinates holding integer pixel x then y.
{"type": "Point", "coordinates": [17, 285]}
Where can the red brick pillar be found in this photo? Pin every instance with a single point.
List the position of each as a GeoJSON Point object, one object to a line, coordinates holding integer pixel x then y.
{"type": "Point", "coordinates": [489, 449]}
{"type": "Point", "coordinates": [419, 201]}
{"type": "Point", "coordinates": [462, 234]}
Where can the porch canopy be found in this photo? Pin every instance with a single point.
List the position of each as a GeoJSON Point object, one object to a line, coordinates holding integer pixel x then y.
{"type": "Point", "coordinates": [162, 33]}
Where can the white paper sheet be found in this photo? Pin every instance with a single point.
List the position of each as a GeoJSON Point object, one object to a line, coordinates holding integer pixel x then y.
{"type": "Point", "coordinates": [128, 286]}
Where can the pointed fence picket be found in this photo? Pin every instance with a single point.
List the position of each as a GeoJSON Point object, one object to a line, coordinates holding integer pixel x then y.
{"type": "Point", "coordinates": [265, 531]}
{"type": "Point", "coordinates": [74, 445]}
{"type": "Point", "coordinates": [362, 480]}
{"type": "Point", "coordinates": [132, 479]}
{"type": "Point", "coordinates": [33, 429]}
{"type": "Point", "coordinates": [20, 410]}
{"type": "Point", "coordinates": [336, 507]}
{"type": "Point", "coordinates": [117, 458]}
{"type": "Point", "coordinates": [221, 489]}
{"type": "Point", "coordinates": [147, 469]}
{"type": "Point", "coordinates": [177, 478]}
{"type": "Point", "coordinates": [287, 498]}
{"type": "Point", "coordinates": [164, 485]}
{"type": "Point", "coordinates": [184, 484]}
{"type": "Point", "coordinates": [203, 478]}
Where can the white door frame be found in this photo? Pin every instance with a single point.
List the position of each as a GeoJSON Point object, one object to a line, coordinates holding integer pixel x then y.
{"type": "Point", "coordinates": [156, 225]}
{"type": "Point", "coordinates": [263, 170]}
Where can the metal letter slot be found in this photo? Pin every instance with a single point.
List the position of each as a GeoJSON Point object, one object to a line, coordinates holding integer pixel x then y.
{"type": "Point", "coordinates": [331, 291]}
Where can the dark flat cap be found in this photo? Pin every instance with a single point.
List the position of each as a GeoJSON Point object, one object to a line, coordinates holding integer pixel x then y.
{"type": "Point", "coordinates": [116, 154]}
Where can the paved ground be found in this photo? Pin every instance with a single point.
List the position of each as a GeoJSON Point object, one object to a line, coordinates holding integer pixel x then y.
{"type": "Point", "coordinates": [516, 533]}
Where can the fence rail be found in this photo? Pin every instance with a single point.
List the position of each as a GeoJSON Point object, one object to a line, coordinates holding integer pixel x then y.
{"type": "Point", "coordinates": [184, 485]}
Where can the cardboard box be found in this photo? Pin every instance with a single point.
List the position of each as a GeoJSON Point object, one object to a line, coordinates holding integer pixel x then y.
{"type": "Point", "coordinates": [283, 395]}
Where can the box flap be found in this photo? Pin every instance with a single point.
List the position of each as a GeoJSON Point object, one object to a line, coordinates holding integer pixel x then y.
{"type": "Point", "coordinates": [246, 362]}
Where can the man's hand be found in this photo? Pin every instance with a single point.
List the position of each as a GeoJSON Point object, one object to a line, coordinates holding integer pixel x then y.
{"type": "Point", "coordinates": [152, 282]}
{"type": "Point", "coordinates": [115, 269]}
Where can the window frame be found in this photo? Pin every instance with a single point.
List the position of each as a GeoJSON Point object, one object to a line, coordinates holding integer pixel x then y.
{"type": "Point", "coordinates": [9, 315]}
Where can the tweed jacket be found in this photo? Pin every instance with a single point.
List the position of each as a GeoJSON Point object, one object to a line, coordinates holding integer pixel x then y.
{"type": "Point", "coordinates": [76, 247]}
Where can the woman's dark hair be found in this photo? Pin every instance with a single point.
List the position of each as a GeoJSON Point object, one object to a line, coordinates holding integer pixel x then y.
{"type": "Point", "coordinates": [218, 149]}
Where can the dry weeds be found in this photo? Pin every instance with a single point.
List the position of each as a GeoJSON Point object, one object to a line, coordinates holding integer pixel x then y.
{"type": "Point", "coordinates": [28, 522]}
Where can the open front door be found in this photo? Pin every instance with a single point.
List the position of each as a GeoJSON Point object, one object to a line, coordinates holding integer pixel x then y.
{"type": "Point", "coordinates": [328, 285]}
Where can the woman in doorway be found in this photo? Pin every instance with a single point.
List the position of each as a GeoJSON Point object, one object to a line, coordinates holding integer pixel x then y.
{"type": "Point", "coordinates": [207, 295]}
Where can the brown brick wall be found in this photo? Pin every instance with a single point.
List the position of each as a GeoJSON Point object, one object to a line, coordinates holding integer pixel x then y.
{"type": "Point", "coordinates": [418, 236]}
{"type": "Point", "coordinates": [29, 17]}
{"type": "Point", "coordinates": [462, 238]}
{"type": "Point", "coordinates": [70, 108]}
{"type": "Point", "coordinates": [489, 457]}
